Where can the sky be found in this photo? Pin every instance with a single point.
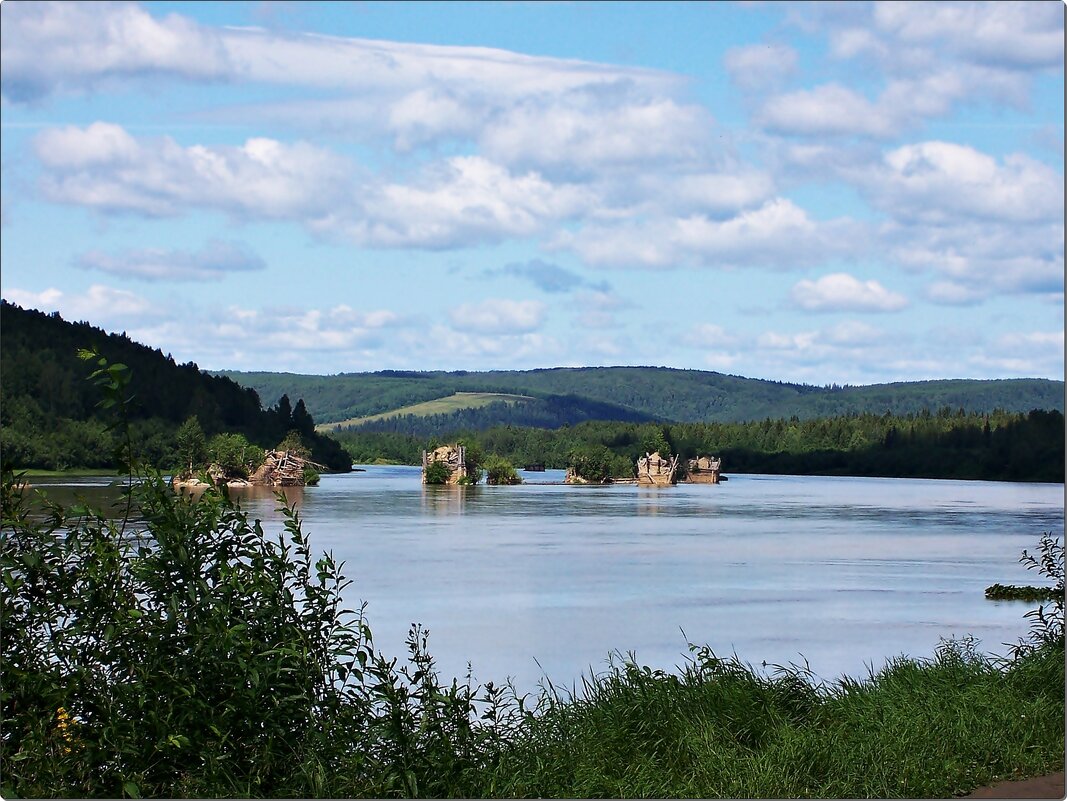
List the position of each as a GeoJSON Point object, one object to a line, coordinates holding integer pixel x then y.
{"type": "Point", "coordinates": [847, 192]}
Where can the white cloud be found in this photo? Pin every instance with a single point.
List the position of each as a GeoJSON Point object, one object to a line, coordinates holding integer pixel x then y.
{"type": "Point", "coordinates": [760, 66]}
{"type": "Point", "coordinates": [1015, 35]}
{"type": "Point", "coordinates": [212, 262]}
{"type": "Point", "coordinates": [941, 181]}
{"type": "Point", "coordinates": [778, 234]}
{"type": "Point", "coordinates": [103, 167]}
{"type": "Point", "coordinates": [843, 292]}
{"type": "Point", "coordinates": [987, 226]}
{"type": "Point", "coordinates": [710, 336]}
{"type": "Point", "coordinates": [1023, 353]}
{"type": "Point", "coordinates": [89, 42]}
{"type": "Point", "coordinates": [464, 200]}
{"type": "Point", "coordinates": [65, 46]}
{"type": "Point", "coordinates": [498, 316]}
{"type": "Point", "coordinates": [826, 110]}
{"type": "Point", "coordinates": [100, 305]}
{"type": "Point", "coordinates": [933, 58]}
{"type": "Point", "coordinates": [586, 132]}
{"type": "Point", "coordinates": [452, 349]}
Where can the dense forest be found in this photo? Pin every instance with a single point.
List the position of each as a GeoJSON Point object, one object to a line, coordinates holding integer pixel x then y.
{"type": "Point", "coordinates": [552, 412]}
{"type": "Point", "coordinates": [656, 392]}
{"type": "Point", "coordinates": [948, 444]}
{"type": "Point", "coordinates": [48, 410]}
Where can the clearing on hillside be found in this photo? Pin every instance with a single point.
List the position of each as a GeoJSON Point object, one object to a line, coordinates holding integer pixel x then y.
{"type": "Point", "coordinates": [446, 405]}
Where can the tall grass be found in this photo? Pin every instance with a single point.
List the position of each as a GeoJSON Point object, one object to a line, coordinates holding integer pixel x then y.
{"type": "Point", "coordinates": [930, 728]}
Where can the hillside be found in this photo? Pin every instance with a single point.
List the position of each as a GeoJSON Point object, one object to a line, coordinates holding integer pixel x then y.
{"type": "Point", "coordinates": [48, 409]}
{"type": "Point", "coordinates": [445, 406]}
{"type": "Point", "coordinates": [651, 393]}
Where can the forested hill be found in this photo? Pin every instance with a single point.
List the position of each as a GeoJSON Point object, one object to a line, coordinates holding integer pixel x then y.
{"type": "Point", "coordinates": [654, 392]}
{"type": "Point", "coordinates": [48, 412]}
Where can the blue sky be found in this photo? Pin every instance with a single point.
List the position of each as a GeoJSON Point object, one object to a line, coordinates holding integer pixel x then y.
{"type": "Point", "coordinates": [822, 193]}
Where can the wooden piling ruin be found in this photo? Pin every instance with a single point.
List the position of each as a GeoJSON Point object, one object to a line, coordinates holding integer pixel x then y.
{"type": "Point", "coordinates": [704, 470]}
{"type": "Point", "coordinates": [453, 456]}
{"type": "Point", "coordinates": [654, 470]}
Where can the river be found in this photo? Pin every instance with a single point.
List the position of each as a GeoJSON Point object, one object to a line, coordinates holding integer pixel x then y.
{"type": "Point", "coordinates": [547, 580]}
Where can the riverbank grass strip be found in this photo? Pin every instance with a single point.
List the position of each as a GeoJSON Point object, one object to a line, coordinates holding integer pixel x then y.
{"type": "Point", "coordinates": [915, 729]}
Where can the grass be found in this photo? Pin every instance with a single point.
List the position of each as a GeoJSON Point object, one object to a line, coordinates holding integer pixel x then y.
{"type": "Point", "coordinates": [446, 405]}
{"type": "Point", "coordinates": [934, 728]}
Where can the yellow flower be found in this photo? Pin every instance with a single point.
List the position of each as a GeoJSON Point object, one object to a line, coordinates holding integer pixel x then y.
{"type": "Point", "coordinates": [64, 724]}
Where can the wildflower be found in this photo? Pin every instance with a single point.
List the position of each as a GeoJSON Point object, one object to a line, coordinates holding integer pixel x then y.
{"type": "Point", "coordinates": [64, 726]}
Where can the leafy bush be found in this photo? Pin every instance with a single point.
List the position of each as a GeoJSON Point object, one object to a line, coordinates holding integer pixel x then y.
{"type": "Point", "coordinates": [234, 454]}
{"type": "Point", "coordinates": [591, 462]}
{"type": "Point", "coordinates": [193, 655]}
{"type": "Point", "coordinates": [499, 470]}
{"type": "Point", "coordinates": [437, 472]}
{"type": "Point", "coordinates": [1046, 621]}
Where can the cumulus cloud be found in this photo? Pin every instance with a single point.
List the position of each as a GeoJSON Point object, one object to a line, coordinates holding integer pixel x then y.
{"type": "Point", "coordinates": [826, 110]}
{"type": "Point", "coordinates": [63, 46]}
{"type": "Point", "coordinates": [212, 262]}
{"type": "Point", "coordinates": [103, 167]}
{"type": "Point", "coordinates": [1015, 35]}
{"type": "Point", "coordinates": [933, 59]}
{"type": "Point", "coordinates": [779, 234]}
{"type": "Point", "coordinates": [585, 132]}
{"type": "Point", "coordinates": [498, 316]}
{"type": "Point", "coordinates": [458, 201]}
{"type": "Point", "coordinates": [986, 225]}
{"type": "Point", "coordinates": [99, 304]}
{"type": "Point", "coordinates": [463, 200]}
{"type": "Point", "coordinates": [940, 181]}
{"type": "Point", "coordinates": [843, 292]}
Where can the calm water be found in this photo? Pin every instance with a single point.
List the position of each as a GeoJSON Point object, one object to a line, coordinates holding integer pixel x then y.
{"type": "Point", "coordinates": [844, 572]}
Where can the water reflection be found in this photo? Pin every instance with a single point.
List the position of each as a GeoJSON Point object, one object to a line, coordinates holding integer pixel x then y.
{"type": "Point", "coordinates": [445, 499]}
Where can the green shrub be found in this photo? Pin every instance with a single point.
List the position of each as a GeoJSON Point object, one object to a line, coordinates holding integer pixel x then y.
{"type": "Point", "coordinates": [235, 455]}
{"type": "Point", "coordinates": [592, 462]}
{"type": "Point", "coordinates": [437, 472]}
{"type": "Point", "coordinates": [499, 470]}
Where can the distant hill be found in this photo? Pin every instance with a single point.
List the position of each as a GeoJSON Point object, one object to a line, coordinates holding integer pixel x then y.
{"type": "Point", "coordinates": [48, 413]}
{"type": "Point", "coordinates": [633, 394]}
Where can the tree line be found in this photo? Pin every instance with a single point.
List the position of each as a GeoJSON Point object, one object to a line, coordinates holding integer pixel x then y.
{"type": "Point", "coordinates": [949, 443]}
{"type": "Point", "coordinates": [48, 411]}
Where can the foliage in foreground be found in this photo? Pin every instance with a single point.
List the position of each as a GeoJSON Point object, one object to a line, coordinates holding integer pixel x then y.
{"type": "Point", "coordinates": [191, 655]}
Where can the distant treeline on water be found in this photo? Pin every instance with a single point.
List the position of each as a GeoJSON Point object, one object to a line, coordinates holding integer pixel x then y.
{"type": "Point", "coordinates": [950, 443]}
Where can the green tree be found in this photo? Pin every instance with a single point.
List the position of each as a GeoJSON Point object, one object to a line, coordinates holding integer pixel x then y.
{"type": "Point", "coordinates": [294, 444]}
{"type": "Point", "coordinates": [302, 420]}
{"type": "Point", "coordinates": [192, 446]}
{"type": "Point", "coordinates": [234, 454]}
